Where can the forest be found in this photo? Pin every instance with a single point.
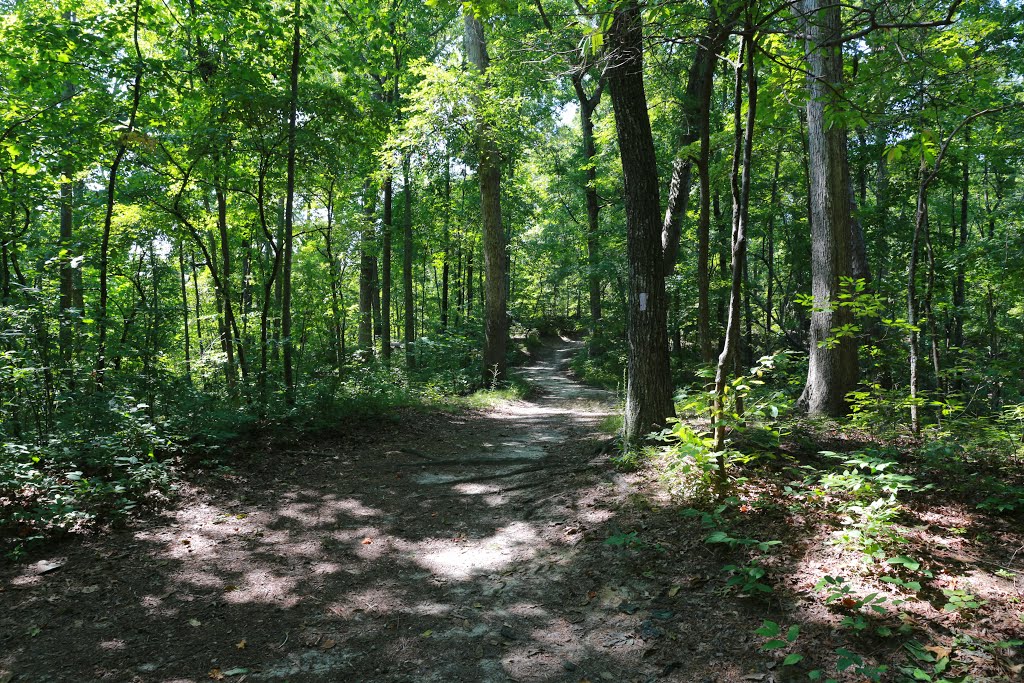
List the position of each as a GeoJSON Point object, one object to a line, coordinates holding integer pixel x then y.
{"type": "Point", "coordinates": [692, 324]}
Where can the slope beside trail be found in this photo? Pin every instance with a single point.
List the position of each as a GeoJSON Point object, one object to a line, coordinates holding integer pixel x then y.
{"type": "Point", "coordinates": [434, 547]}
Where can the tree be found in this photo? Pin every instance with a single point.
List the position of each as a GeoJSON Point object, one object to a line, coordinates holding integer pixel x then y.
{"type": "Point", "coordinates": [489, 174]}
{"type": "Point", "coordinates": [648, 387]}
{"type": "Point", "coordinates": [832, 367]}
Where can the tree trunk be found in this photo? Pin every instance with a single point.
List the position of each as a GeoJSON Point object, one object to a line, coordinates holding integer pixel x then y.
{"type": "Point", "coordinates": [228, 337]}
{"type": "Point", "coordinates": [445, 270]}
{"type": "Point", "coordinates": [959, 284]}
{"type": "Point", "coordinates": [122, 148]}
{"type": "Point", "coordinates": [587, 105]}
{"type": "Point", "coordinates": [184, 313]}
{"type": "Point", "coordinates": [332, 268]}
{"type": "Point", "coordinates": [769, 250]}
{"type": "Point", "coordinates": [495, 260]}
{"type": "Point", "coordinates": [289, 210]}
{"type": "Point", "coordinates": [741, 170]}
{"type": "Point", "coordinates": [832, 369]}
{"type": "Point", "coordinates": [407, 248]}
{"type": "Point", "coordinates": [648, 386]}
{"type": "Point", "coordinates": [364, 337]}
{"type": "Point", "coordinates": [385, 257]}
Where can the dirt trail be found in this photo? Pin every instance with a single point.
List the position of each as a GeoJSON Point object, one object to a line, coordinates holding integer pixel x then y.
{"type": "Point", "coordinates": [453, 547]}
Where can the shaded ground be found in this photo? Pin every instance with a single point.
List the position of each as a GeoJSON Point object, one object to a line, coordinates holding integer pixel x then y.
{"type": "Point", "coordinates": [501, 545]}
{"type": "Point", "coordinates": [437, 547]}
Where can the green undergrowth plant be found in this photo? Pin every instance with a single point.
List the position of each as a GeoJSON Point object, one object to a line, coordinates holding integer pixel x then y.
{"type": "Point", "coordinates": [745, 577]}
{"type": "Point", "coordinates": [866, 487]}
{"type": "Point", "coordinates": [847, 662]}
{"type": "Point", "coordinates": [602, 360]}
{"type": "Point", "coordinates": [98, 469]}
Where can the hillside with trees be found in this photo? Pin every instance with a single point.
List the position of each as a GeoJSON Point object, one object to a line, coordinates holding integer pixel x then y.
{"type": "Point", "coordinates": [695, 324]}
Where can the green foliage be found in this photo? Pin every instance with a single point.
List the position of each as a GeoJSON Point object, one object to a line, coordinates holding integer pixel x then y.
{"type": "Point", "coordinates": [601, 362]}
{"type": "Point", "coordinates": [106, 464]}
{"type": "Point", "coordinates": [960, 601]}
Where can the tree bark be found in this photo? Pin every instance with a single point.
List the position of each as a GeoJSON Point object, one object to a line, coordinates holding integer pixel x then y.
{"type": "Point", "coordinates": [409, 330]}
{"type": "Point", "coordinates": [495, 260]}
{"type": "Point", "coordinates": [446, 268]}
{"type": "Point", "coordinates": [364, 338]}
{"type": "Point", "coordinates": [184, 313]}
{"type": "Point", "coordinates": [648, 386]}
{"type": "Point", "coordinates": [289, 210]}
{"type": "Point", "coordinates": [741, 170]}
{"type": "Point", "coordinates": [385, 257]}
{"type": "Point", "coordinates": [588, 104]}
{"type": "Point", "coordinates": [832, 369]}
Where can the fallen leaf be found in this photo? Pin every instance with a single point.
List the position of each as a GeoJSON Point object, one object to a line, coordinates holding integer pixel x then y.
{"type": "Point", "coordinates": [230, 588]}
{"type": "Point", "coordinates": [939, 651]}
{"type": "Point", "coordinates": [241, 644]}
{"type": "Point", "coordinates": [186, 542]}
{"type": "Point", "coordinates": [90, 589]}
{"type": "Point", "coordinates": [327, 644]}
{"type": "Point", "coordinates": [367, 541]}
{"type": "Point", "coordinates": [216, 674]}
{"type": "Point", "coordinates": [237, 671]}
{"type": "Point", "coordinates": [195, 622]}
{"type": "Point", "coordinates": [849, 602]}
{"type": "Point", "coordinates": [427, 633]}
{"type": "Point", "coordinates": [673, 591]}
{"type": "Point", "coordinates": [46, 566]}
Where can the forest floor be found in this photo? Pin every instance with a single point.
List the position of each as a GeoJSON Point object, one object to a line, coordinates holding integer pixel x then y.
{"type": "Point", "coordinates": [474, 545]}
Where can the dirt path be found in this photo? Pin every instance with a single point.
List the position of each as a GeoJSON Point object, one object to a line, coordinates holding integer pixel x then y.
{"type": "Point", "coordinates": [445, 547]}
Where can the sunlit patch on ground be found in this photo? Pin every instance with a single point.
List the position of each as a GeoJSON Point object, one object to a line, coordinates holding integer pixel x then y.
{"type": "Point", "coordinates": [463, 560]}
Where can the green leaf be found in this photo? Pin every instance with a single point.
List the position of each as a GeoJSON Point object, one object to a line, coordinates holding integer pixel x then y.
{"type": "Point", "coordinates": [793, 632]}
{"type": "Point", "coordinates": [774, 645]}
{"type": "Point", "coordinates": [792, 659]}
{"type": "Point", "coordinates": [769, 629]}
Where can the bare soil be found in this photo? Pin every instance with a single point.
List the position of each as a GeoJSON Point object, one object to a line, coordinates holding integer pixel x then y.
{"type": "Point", "coordinates": [429, 547]}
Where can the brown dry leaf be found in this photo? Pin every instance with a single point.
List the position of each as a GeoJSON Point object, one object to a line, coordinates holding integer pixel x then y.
{"type": "Point", "coordinates": [939, 651]}
{"type": "Point", "coordinates": [186, 542]}
{"type": "Point", "coordinates": [327, 644]}
{"type": "Point", "coordinates": [241, 644]}
{"type": "Point", "coordinates": [229, 588]}
{"type": "Point", "coordinates": [367, 541]}
{"type": "Point", "coordinates": [216, 674]}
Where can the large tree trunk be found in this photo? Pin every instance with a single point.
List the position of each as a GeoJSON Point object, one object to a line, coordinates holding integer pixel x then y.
{"type": "Point", "coordinates": [648, 386]}
{"type": "Point", "coordinates": [489, 174]}
{"type": "Point", "coordinates": [289, 211]}
{"type": "Point", "coordinates": [832, 369]}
